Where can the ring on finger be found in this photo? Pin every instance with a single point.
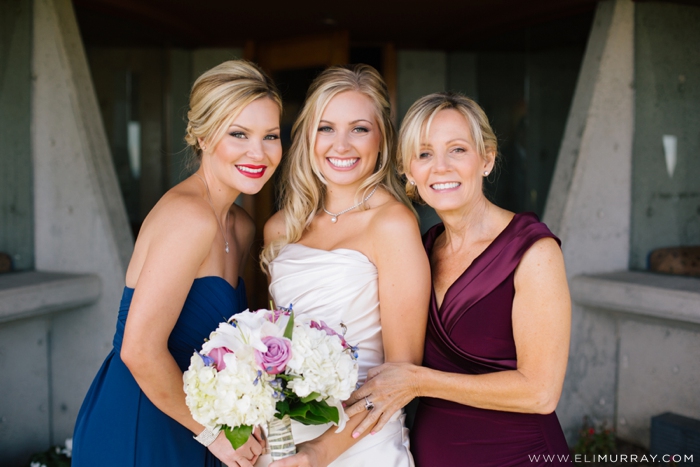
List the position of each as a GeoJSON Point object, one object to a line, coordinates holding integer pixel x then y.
{"type": "Point", "coordinates": [369, 405]}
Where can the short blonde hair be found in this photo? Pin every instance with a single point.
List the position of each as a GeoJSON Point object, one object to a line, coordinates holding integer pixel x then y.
{"type": "Point", "coordinates": [416, 125]}
{"type": "Point", "coordinates": [302, 189]}
{"type": "Point", "coordinates": [219, 95]}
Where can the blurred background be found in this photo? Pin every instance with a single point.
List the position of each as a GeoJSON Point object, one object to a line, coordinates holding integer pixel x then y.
{"type": "Point", "coordinates": [596, 105]}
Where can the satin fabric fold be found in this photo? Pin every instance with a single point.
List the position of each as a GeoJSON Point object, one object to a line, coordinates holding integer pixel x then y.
{"type": "Point", "coordinates": [472, 333]}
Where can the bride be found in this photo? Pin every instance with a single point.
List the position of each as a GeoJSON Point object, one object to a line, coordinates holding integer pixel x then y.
{"type": "Point", "coordinates": [345, 238]}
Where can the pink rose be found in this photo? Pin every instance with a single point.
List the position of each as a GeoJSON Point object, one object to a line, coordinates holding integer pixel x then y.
{"type": "Point", "coordinates": [218, 356]}
{"type": "Point", "coordinates": [279, 352]}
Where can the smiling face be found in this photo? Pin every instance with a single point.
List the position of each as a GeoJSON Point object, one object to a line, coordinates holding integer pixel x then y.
{"type": "Point", "coordinates": [250, 149]}
{"type": "Point", "coordinates": [448, 170]}
{"type": "Point", "coordinates": [348, 138]}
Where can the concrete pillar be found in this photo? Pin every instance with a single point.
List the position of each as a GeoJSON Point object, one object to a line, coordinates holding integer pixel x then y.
{"type": "Point", "coordinates": [79, 219]}
{"type": "Point", "coordinates": [589, 204]}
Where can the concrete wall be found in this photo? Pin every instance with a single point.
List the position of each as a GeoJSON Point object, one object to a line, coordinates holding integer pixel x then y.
{"type": "Point", "coordinates": [16, 220]}
{"type": "Point", "coordinates": [589, 204]}
{"type": "Point", "coordinates": [80, 221]}
{"type": "Point", "coordinates": [665, 207]}
{"type": "Point", "coordinates": [80, 226]}
{"type": "Point", "coordinates": [652, 333]}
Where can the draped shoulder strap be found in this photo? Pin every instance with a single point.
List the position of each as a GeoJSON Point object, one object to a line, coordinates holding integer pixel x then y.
{"type": "Point", "coordinates": [486, 272]}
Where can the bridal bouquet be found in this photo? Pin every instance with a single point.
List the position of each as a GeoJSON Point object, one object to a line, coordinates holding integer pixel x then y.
{"type": "Point", "coordinates": [263, 368]}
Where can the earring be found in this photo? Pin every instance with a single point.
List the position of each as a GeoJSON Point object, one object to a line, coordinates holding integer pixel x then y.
{"type": "Point", "coordinates": [412, 182]}
{"type": "Point", "coordinates": [486, 172]}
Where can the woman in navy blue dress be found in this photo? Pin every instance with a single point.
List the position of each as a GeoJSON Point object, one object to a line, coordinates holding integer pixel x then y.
{"type": "Point", "coordinates": [182, 280]}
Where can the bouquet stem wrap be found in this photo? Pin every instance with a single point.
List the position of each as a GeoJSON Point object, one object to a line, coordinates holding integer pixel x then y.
{"type": "Point", "coordinates": [280, 439]}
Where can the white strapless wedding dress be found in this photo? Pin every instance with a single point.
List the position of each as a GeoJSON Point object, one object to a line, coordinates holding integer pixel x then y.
{"type": "Point", "coordinates": [340, 286]}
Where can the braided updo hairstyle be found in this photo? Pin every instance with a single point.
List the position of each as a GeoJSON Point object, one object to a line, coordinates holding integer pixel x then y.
{"type": "Point", "coordinates": [218, 96]}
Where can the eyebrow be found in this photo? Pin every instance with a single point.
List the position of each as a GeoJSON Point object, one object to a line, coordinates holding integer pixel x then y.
{"type": "Point", "coordinates": [248, 129]}
{"type": "Point", "coordinates": [351, 123]}
{"type": "Point", "coordinates": [459, 139]}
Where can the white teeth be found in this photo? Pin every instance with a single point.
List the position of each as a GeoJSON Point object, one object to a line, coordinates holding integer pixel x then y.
{"type": "Point", "coordinates": [249, 170]}
{"type": "Point", "coordinates": [342, 163]}
{"type": "Point", "coordinates": [445, 186]}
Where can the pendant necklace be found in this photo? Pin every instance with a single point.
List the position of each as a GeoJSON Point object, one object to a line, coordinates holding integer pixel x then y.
{"type": "Point", "coordinates": [334, 217]}
{"type": "Point", "coordinates": [226, 249]}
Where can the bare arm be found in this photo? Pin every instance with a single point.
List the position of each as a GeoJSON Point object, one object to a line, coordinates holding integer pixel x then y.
{"type": "Point", "coordinates": [181, 240]}
{"type": "Point", "coordinates": [404, 284]}
{"type": "Point", "coordinates": [541, 327]}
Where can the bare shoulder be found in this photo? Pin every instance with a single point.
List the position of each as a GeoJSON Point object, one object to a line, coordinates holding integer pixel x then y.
{"type": "Point", "coordinates": [178, 222]}
{"type": "Point", "coordinates": [542, 251]}
{"type": "Point", "coordinates": [394, 233]}
{"type": "Point", "coordinates": [543, 259]}
{"type": "Point", "coordinates": [392, 218]}
{"type": "Point", "coordinates": [275, 227]}
{"type": "Point", "coordinates": [180, 214]}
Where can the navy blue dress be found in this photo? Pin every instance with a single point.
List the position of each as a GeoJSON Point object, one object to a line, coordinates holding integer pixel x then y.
{"type": "Point", "coordinates": [117, 425]}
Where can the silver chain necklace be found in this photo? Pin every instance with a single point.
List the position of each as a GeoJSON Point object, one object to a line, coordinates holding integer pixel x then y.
{"type": "Point", "coordinates": [226, 249]}
{"type": "Point", "coordinates": [334, 217]}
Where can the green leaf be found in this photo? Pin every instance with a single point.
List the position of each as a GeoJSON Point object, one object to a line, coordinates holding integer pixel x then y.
{"type": "Point", "coordinates": [239, 435]}
{"type": "Point", "coordinates": [290, 326]}
{"type": "Point", "coordinates": [310, 397]}
{"type": "Point", "coordinates": [322, 409]}
{"type": "Point", "coordinates": [314, 413]}
{"type": "Point", "coordinates": [282, 408]}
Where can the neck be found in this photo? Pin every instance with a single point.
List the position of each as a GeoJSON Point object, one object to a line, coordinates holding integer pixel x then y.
{"type": "Point", "coordinates": [340, 197]}
{"type": "Point", "coordinates": [465, 225]}
{"type": "Point", "coordinates": [220, 195]}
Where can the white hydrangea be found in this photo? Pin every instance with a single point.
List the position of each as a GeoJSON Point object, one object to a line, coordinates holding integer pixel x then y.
{"type": "Point", "coordinates": [321, 365]}
{"type": "Point", "coordinates": [234, 396]}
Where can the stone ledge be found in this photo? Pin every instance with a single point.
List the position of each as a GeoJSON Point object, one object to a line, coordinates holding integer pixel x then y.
{"type": "Point", "coordinates": [34, 293]}
{"type": "Point", "coordinates": [675, 298]}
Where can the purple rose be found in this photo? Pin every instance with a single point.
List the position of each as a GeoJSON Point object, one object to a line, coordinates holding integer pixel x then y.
{"type": "Point", "coordinates": [218, 356]}
{"type": "Point", "coordinates": [279, 352]}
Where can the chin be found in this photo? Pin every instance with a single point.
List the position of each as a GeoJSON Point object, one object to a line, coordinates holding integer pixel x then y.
{"type": "Point", "coordinates": [345, 179]}
{"type": "Point", "coordinates": [252, 187]}
{"type": "Point", "coordinates": [444, 205]}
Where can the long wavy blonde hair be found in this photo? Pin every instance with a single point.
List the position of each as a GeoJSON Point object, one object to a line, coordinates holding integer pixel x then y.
{"type": "Point", "coordinates": [303, 187]}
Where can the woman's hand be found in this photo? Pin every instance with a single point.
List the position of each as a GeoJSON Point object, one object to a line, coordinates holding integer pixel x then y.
{"type": "Point", "coordinates": [389, 387]}
{"type": "Point", "coordinates": [245, 456]}
{"type": "Point", "coordinates": [308, 455]}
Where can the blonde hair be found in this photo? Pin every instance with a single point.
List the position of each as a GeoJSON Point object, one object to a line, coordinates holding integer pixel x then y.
{"type": "Point", "coordinates": [219, 95]}
{"type": "Point", "coordinates": [416, 125]}
{"type": "Point", "coordinates": [302, 189]}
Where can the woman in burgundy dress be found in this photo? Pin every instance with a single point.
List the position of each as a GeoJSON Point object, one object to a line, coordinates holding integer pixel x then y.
{"type": "Point", "coordinates": [499, 322]}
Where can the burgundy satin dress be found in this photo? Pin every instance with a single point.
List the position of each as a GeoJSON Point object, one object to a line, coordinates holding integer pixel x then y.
{"type": "Point", "coordinates": [472, 333]}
